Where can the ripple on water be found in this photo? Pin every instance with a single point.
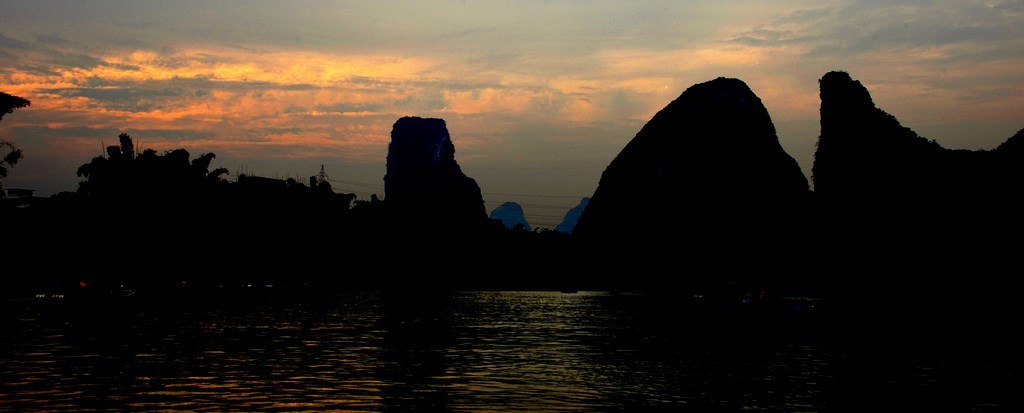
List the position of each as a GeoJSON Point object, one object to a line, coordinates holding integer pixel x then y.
{"type": "Point", "coordinates": [473, 351]}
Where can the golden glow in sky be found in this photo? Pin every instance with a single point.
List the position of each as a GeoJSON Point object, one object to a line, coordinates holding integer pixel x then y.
{"type": "Point", "coordinates": [538, 95]}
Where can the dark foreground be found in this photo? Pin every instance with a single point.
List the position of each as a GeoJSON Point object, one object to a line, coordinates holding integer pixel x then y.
{"type": "Point", "coordinates": [271, 349]}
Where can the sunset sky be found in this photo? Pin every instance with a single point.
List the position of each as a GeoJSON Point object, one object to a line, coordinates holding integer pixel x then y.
{"type": "Point", "coordinates": [538, 96]}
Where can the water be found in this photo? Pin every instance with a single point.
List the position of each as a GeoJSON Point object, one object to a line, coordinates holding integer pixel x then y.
{"type": "Point", "coordinates": [463, 351]}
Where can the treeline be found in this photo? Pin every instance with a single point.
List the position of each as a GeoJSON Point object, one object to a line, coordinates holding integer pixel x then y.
{"type": "Point", "coordinates": [161, 220]}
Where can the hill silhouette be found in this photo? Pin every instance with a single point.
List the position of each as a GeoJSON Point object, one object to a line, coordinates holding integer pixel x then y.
{"type": "Point", "coordinates": [572, 216]}
{"type": "Point", "coordinates": [511, 214]}
{"type": "Point", "coordinates": [710, 171]}
{"type": "Point", "coordinates": [894, 209]}
{"type": "Point", "coordinates": [424, 184]}
{"type": "Point", "coordinates": [864, 153]}
{"type": "Point", "coordinates": [703, 194]}
{"type": "Point", "coordinates": [913, 246]}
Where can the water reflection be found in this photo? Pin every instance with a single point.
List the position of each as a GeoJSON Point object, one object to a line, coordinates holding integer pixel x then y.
{"type": "Point", "coordinates": [368, 351]}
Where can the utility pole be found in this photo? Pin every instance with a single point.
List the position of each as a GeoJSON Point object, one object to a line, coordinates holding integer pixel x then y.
{"type": "Point", "coordinates": [322, 176]}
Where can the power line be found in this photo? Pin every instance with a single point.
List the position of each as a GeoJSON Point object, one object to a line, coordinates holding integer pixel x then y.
{"type": "Point", "coordinates": [541, 206]}
{"type": "Point", "coordinates": [538, 196]}
{"type": "Point", "coordinates": [365, 185]}
{"type": "Point", "coordinates": [347, 185]}
{"type": "Point", "coordinates": [381, 187]}
{"type": "Point", "coordinates": [534, 167]}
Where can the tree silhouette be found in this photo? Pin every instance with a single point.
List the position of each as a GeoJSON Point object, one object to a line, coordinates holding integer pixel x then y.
{"type": "Point", "coordinates": [8, 103]}
{"type": "Point", "coordinates": [123, 174]}
{"type": "Point", "coordinates": [11, 153]}
{"type": "Point", "coordinates": [10, 158]}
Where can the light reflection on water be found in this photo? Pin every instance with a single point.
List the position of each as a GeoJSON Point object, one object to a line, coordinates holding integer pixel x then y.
{"type": "Point", "coordinates": [365, 351]}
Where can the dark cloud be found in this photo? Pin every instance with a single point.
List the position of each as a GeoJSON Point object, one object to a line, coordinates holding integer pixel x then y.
{"type": "Point", "coordinates": [76, 60]}
{"type": "Point", "coordinates": [12, 43]}
{"type": "Point", "coordinates": [273, 131]}
{"type": "Point", "coordinates": [172, 135]}
{"type": "Point", "coordinates": [109, 135]}
{"type": "Point", "coordinates": [986, 94]}
{"type": "Point", "coordinates": [169, 58]}
{"type": "Point", "coordinates": [493, 61]}
{"type": "Point", "coordinates": [43, 131]}
{"type": "Point", "coordinates": [807, 16]}
{"type": "Point", "coordinates": [55, 56]}
{"type": "Point", "coordinates": [199, 86]}
{"type": "Point", "coordinates": [883, 26]}
{"type": "Point", "coordinates": [622, 102]}
{"type": "Point", "coordinates": [429, 101]}
{"type": "Point", "coordinates": [51, 39]}
{"type": "Point", "coordinates": [247, 136]}
{"type": "Point", "coordinates": [95, 82]}
{"type": "Point", "coordinates": [203, 83]}
{"type": "Point", "coordinates": [345, 107]}
{"type": "Point", "coordinates": [125, 99]}
{"type": "Point", "coordinates": [117, 94]}
{"type": "Point", "coordinates": [296, 86]}
{"type": "Point", "coordinates": [769, 37]}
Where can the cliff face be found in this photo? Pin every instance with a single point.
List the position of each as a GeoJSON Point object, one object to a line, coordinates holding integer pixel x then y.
{"type": "Point", "coordinates": [704, 194]}
{"type": "Point", "coordinates": [864, 151]}
{"type": "Point", "coordinates": [423, 180]}
{"type": "Point", "coordinates": [865, 156]}
{"type": "Point", "coordinates": [890, 199]}
{"type": "Point", "coordinates": [708, 160]}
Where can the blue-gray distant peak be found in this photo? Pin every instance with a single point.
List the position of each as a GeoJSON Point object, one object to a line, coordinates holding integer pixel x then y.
{"type": "Point", "coordinates": [511, 214]}
{"type": "Point", "coordinates": [572, 216]}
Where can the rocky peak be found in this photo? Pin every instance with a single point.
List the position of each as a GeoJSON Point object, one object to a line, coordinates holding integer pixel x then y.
{"type": "Point", "coordinates": [711, 154]}
{"type": "Point", "coordinates": [423, 178]}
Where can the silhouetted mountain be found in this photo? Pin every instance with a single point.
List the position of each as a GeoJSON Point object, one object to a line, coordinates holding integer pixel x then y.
{"type": "Point", "coordinates": [511, 214]}
{"type": "Point", "coordinates": [894, 209]}
{"type": "Point", "coordinates": [704, 183]}
{"type": "Point", "coordinates": [921, 202]}
{"type": "Point", "coordinates": [865, 155]}
{"type": "Point", "coordinates": [704, 194]}
{"type": "Point", "coordinates": [424, 184]}
{"type": "Point", "coordinates": [572, 216]}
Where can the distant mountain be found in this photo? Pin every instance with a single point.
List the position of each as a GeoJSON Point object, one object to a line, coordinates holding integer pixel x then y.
{"type": "Point", "coordinates": [572, 216]}
{"type": "Point", "coordinates": [423, 182]}
{"type": "Point", "coordinates": [510, 214]}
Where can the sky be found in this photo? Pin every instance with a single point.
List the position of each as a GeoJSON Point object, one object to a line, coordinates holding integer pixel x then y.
{"type": "Point", "coordinates": [538, 96]}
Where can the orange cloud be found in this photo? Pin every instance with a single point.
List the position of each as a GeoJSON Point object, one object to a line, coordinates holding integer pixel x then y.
{"type": "Point", "coordinates": [238, 93]}
{"type": "Point", "coordinates": [280, 67]}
